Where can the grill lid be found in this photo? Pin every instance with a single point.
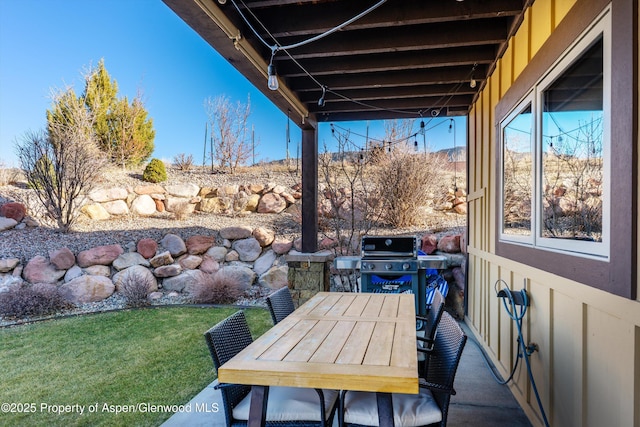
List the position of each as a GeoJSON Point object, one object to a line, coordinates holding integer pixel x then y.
{"type": "Point", "coordinates": [389, 247]}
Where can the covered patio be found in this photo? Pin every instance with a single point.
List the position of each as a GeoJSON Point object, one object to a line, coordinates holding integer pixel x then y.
{"type": "Point", "coordinates": [328, 61]}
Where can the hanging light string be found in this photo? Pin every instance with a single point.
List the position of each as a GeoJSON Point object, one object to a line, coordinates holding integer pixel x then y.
{"type": "Point", "coordinates": [276, 47]}
{"type": "Point", "coordinates": [383, 143]}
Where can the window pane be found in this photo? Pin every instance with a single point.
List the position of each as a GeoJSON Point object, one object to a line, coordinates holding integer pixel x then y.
{"type": "Point", "coordinates": [572, 161]}
{"type": "Point", "coordinates": [517, 179]}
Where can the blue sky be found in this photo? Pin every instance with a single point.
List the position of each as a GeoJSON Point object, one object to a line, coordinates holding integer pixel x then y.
{"type": "Point", "coordinates": [47, 44]}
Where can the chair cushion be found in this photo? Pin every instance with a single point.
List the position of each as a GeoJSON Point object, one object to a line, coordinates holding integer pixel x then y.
{"type": "Point", "coordinates": [409, 410]}
{"type": "Point", "coordinates": [290, 404]}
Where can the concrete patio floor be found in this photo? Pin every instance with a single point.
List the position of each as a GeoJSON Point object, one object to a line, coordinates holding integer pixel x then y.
{"type": "Point", "coordinates": [479, 401]}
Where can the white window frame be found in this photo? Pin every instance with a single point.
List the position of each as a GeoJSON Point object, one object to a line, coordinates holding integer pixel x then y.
{"type": "Point", "coordinates": [527, 101]}
{"type": "Point", "coordinates": [597, 250]}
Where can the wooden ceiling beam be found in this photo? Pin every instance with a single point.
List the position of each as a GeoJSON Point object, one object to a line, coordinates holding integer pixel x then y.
{"type": "Point", "coordinates": [288, 19]}
{"type": "Point", "coordinates": [388, 61]}
{"type": "Point", "coordinates": [395, 92]}
{"type": "Point", "coordinates": [394, 39]}
{"type": "Point", "coordinates": [425, 103]}
{"type": "Point", "coordinates": [389, 79]}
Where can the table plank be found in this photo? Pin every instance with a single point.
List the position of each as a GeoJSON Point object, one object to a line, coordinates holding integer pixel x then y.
{"type": "Point", "coordinates": [283, 345]}
{"type": "Point", "coordinates": [307, 347]}
{"type": "Point", "coordinates": [356, 345]}
{"type": "Point", "coordinates": [330, 349]}
{"type": "Point", "coordinates": [379, 352]}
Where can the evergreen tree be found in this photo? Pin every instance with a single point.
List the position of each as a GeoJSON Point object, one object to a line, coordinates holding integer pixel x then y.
{"type": "Point", "coordinates": [122, 129]}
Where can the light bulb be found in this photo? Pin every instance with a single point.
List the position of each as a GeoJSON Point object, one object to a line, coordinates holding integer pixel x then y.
{"type": "Point", "coordinates": [472, 83]}
{"type": "Point", "coordinates": [272, 82]}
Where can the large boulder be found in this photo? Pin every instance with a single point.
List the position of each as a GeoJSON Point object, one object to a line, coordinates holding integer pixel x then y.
{"type": "Point", "coordinates": [241, 275]}
{"type": "Point", "coordinates": [136, 273]}
{"type": "Point", "coordinates": [199, 244]}
{"type": "Point", "coordinates": [190, 262]}
{"type": "Point", "coordinates": [235, 233]}
{"type": "Point", "coordinates": [179, 282]}
{"type": "Point", "coordinates": [40, 270]}
{"type": "Point", "coordinates": [264, 236]}
{"type": "Point", "coordinates": [62, 258]}
{"type": "Point", "coordinates": [264, 262]}
{"type": "Point", "coordinates": [143, 205]}
{"type": "Point", "coordinates": [449, 244]}
{"type": "Point", "coordinates": [174, 244]}
{"type": "Point", "coordinates": [100, 255]}
{"type": "Point", "coordinates": [248, 249]}
{"type": "Point", "coordinates": [275, 278]}
{"type": "Point", "coordinates": [161, 259]}
{"type": "Point", "coordinates": [129, 259]}
{"type": "Point", "coordinates": [183, 190]}
{"type": "Point", "coordinates": [13, 210]}
{"type": "Point", "coordinates": [218, 253]}
{"type": "Point", "coordinates": [281, 245]}
{"type": "Point", "coordinates": [272, 203]}
{"type": "Point", "coordinates": [147, 247]}
{"type": "Point", "coordinates": [102, 195]}
{"type": "Point", "coordinates": [117, 207]}
{"type": "Point", "coordinates": [87, 288]}
{"type": "Point", "coordinates": [429, 244]}
{"type": "Point", "coordinates": [95, 211]}
{"type": "Point", "coordinates": [168, 270]}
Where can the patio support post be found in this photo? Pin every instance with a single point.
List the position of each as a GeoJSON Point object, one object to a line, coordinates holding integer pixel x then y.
{"type": "Point", "coordinates": [309, 189]}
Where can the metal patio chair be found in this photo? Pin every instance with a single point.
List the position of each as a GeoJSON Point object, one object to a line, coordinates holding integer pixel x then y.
{"type": "Point", "coordinates": [286, 406]}
{"type": "Point", "coordinates": [428, 408]}
{"type": "Point", "coordinates": [280, 304]}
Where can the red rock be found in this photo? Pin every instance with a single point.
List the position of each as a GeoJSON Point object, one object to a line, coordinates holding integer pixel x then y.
{"type": "Point", "coordinates": [429, 243]}
{"type": "Point", "coordinates": [449, 244]}
{"type": "Point", "coordinates": [13, 210]}
{"type": "Point", "coordinates": [100, 255]}
{"type": "Point", "coordinates": [147, 248]}
{"type": "Point", "coordinates": [199, 244]}
{"type": "Point", "coordinates": [62, 258]}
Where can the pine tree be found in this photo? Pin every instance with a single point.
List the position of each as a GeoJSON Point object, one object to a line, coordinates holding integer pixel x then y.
{"type": "Point", "coordinates": [123, 130]}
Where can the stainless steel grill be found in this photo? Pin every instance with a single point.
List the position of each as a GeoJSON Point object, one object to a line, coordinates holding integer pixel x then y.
{"type": "Point", "coordinates": [393, 264]}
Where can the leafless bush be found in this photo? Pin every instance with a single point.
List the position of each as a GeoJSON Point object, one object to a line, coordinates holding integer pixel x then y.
{"type": "Point", "coordinates": [218, 288]}
{"type": "Point", "coordinates": [230, 144]}
{"type": "Point", "coordinates": [64, 163]}
{"type": "Point", "coordinates": [31, 300]}
{"type": "Point", "coordinates": [183, 162]}
{"type": "Point", "coordinates": [405, 182]}
{"type": "Point", "coordinates": [135, 290]}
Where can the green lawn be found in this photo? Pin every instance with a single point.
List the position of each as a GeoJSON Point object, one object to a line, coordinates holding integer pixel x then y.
{"type": "Point", "coordinates": [106, 363]}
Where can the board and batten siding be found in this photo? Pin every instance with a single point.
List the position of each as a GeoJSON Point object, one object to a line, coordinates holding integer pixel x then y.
{"type": "Point", "coordinates": [587, 369]}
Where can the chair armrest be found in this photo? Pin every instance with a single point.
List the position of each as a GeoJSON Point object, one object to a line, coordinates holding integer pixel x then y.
{"type": "Point", "coordinates": [436, 387]}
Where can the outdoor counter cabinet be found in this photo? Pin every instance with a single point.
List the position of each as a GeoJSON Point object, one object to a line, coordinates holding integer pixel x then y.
{"type": "Point", "coordinates": [340, 341]}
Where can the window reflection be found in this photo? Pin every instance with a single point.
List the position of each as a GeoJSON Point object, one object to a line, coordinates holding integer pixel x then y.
{"type": "Point", "coordinates": [572, 155]}
{"type": "Point", "coordinates": [517, 174]}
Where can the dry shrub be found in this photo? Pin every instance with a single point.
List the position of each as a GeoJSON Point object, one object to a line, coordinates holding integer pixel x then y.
{"type": "Point", "coordinates": [183, 162]}
{"type": "Point", "coordinates": [218, 288]}
{"type": "Point", "coordinates": [181, 211]}
{"type": "Point", "coordinates": [31, 300]}
{"type": "Point", "coordinates": [406, 183]}
{"type": "Point", "coordinates": [135, 290]}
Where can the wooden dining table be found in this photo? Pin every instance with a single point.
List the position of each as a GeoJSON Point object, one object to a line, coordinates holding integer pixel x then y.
{"type": "Point", "coordinates": [339, 341]}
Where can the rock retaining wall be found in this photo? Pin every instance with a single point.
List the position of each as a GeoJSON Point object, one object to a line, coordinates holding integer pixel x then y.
{"type": "Point", "coordinates": [247, 256]}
